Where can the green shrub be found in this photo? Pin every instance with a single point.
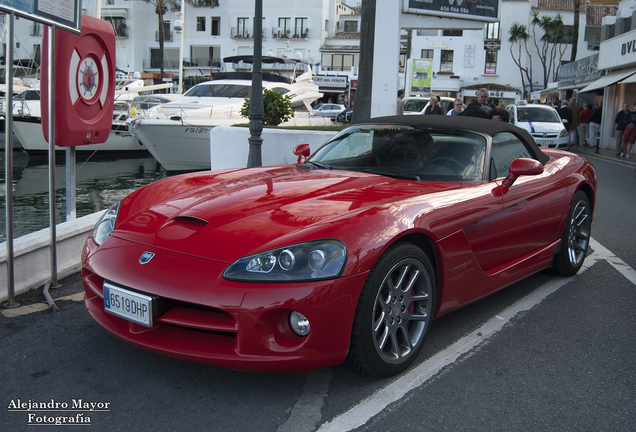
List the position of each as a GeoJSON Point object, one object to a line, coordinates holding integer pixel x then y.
{"type": "Point", "coordinates": [276, 108]}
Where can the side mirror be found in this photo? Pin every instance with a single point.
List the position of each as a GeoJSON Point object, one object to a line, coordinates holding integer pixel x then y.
{"type": "Point", "coordinates": [302, 151]}
{"type": "Point", "coordinates": [522, 166]}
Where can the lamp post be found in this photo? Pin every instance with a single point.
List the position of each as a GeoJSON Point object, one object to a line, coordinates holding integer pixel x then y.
{"type": "Point", "coordinates": [179, 27]}
{"type": "Point", "coordinates": [256, 96]}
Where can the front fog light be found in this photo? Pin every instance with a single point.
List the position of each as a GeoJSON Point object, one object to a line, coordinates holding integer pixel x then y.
{"type": "Point", "coordinates": [299, 323]}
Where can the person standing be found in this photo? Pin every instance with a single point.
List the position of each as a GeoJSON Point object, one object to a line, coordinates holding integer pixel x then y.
{"type": "Point", "coordinates": [433, 107]}
{"type": "Point", "coordinates": [595, 124]}
{"type": "Point", "coordinates": [629, 137]}
{"type": "Point", "coordinates": [400, 104]}
{"type": "Point", "coordinates": [620, 127]}
{"type": "Point", "coordinates": [566, 116]}
{"type": "Point", "coordinates": [576, 121]}
{"type": "Point", "coordinates": [458, 106]}
{"type": "Point", "coordinates": [584, 115]}
{"type": "Point", "coordinates": [479, 107]}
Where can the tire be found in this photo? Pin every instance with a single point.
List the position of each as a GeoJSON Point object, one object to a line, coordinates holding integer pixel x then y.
{"type": "Point", "coordinates": [575, 239]}
{"type": "Point", "coordinates": [387, 332]}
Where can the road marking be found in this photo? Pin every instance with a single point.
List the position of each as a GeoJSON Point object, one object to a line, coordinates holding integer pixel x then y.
{"type": "Point", "coordinates": [361, 413]}
{"type": "Point", "coordinates": [37, 307]}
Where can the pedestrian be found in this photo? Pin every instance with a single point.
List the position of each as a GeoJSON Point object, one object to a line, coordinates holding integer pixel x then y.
{"type": "Point", "coordinates": [566, 116]}
{"type": "Point", "coordinates": [576, 121]}
{"type": "Point", "coordinates": [458, 106]}
{"type": "Point", "coordinates": [595, 124]}
{"type": "Point", "coordinates": [620, 127]}
{"type": "Point", "coordinates": [629, 137]}
{"type": "Point", "coordinates": [500, 114]}
{"type": "Point", "coordinates": [584, 116]}
{"type": "Point", "coordinates": [433, 107]}
{"type": "Point", "coordinates": [400, 104]}
{"type": "Point", "coordinates": [479, 107]}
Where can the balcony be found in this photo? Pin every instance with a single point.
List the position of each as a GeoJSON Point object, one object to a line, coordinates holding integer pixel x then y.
{"type": "Point", "coordinates": [246, 33]}
{"type": "Point", "coordinates": [204, 3]}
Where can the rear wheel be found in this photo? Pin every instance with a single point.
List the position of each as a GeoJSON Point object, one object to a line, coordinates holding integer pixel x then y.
{"type": "Point", "coordinates": [575, 239]}
{"type": "Point", "coordinates": [394, 312]}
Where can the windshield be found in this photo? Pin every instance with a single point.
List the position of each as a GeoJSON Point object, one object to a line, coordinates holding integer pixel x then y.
{"type": "Point", "coordinates": [539, 114]}
{"type": "Point", "coordinates": [414, 105]}
{"type": "Point", "coordinates": [219, 90]}
{"type": "Point", "coordinates": [406, 152]}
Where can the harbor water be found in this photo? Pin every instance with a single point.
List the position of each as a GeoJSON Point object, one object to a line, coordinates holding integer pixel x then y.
{"type": "Point", "coordinates": [100, 181]}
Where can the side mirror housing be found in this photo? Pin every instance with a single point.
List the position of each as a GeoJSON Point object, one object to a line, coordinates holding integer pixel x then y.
{"type": "Point", "coordinates": [522, 166]}
{"type": "Point", "coordinates": [302, 151]}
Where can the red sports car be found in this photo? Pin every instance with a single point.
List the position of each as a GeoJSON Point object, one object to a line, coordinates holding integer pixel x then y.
{"type": "Point", "coordinates": [345, 256]}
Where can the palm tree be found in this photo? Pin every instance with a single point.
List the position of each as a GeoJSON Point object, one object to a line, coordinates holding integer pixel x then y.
{"type": "Point", "coordinates": [161, 7]}
{"type": "Point", "coordinates": [519, 34]}
{"type": "Point", "coordinates": [575, 32]}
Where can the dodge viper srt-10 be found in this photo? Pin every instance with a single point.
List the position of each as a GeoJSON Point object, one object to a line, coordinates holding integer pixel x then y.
{"type": "Point", "coordinates": [347, 255]}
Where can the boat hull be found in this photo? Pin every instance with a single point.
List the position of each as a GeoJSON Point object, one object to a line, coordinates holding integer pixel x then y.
{"type": "Point", "coordinates": [29, 132]}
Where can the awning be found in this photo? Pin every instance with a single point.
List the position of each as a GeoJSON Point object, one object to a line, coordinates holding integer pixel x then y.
{"type": "Point", "coordinates": [609, 79]}
{"type": "Point", "coordinates": [629, 80]}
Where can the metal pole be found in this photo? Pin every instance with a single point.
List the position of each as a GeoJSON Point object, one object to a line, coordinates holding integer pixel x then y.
{"type": "Point", "coordinates": [51, 126]}
{"type": "Point", "coordinates": [256, 96]}
{"type": "Point", "coordinates": [8, 166]}
{"type": "Point", "coordinates": [181, 47]}
{"type": "Point", "coordinates": [71, 206]}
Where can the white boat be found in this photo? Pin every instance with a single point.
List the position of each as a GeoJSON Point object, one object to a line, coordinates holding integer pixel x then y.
{"type": "Point", "coordinates": [177, 133]}
{"type": "Point", "coordinates": [27, 122]}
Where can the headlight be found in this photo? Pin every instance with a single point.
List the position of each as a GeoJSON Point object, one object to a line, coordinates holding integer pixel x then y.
{"type": "Point", "coordinates": [319, 259]}
{"type": "Point", "coordinates": [564, 133]}
{"type": "Point", "coordinates": [105, 225]}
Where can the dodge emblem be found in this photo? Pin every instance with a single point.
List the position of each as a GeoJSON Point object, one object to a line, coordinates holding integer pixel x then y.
{"type": "Point", "coordinates": [145, 257]}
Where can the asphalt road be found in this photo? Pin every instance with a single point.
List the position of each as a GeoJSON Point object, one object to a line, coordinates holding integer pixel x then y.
{"type": "Point", "coordinates": [547, 353]}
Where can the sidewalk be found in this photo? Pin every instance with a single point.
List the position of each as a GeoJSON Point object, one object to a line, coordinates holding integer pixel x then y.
{"type": "Point", "coordinates": [604, 153]}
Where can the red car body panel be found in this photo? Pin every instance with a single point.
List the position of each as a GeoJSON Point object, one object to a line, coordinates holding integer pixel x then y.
{"type": "Point", "coordinates": [484, 237]}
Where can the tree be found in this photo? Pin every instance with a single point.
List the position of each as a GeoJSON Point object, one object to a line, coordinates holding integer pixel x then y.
{"type": "Point", "coordinates": [518, 34]}
{"type": "Point", "coordinates": [277, 108]}
{"type": "Point", "coordinates": [161, 7]}
{"type": "Point", "coordinates": [575, 32]}
{"type": "Point", "coordinates": [553, 43]}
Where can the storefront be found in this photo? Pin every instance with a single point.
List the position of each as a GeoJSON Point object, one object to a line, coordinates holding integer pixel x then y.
{"type": "Point", "coordinates": [334, 88]}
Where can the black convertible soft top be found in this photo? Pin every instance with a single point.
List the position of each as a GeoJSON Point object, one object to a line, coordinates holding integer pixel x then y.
{"type": "Point", "coordinates": [470, 124]}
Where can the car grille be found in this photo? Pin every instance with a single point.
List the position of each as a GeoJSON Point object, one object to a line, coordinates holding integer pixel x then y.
{"type": "Point", "coordinates": [545, 136]}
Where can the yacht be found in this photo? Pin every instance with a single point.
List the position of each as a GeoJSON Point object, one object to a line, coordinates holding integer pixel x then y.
{"type": "Point", "coordinates": [27, 120]}
{"type": "Point", "coordinates": [177, 134]}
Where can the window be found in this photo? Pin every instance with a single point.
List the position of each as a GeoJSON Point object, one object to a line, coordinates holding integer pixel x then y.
{"type": "Point", "coordinates": [427, 54]}
{"type": "Point", "coordinates": [505, 148]}
{"type": "Point", "coordinates": [491, 62]}
{"type": "Point", "coordinates": [215, 24]}
{"type": "Point", "coordinates": [285, 26]}
{"type": "Point", "coordinates": [241, 27]}
{"type": "Point", "coordinates": [200, 23]}
{"type": "Point", "coordinates": [339, 62]}
{"type": "Point", "coordinates": [446, 64]}
{"type": "Point", "coordinates": [205, 56]}
{"type": "Point", "coordinates": [170, 58]}
{"type": "Point", "coordinates": [119, 25]}
{"type": "Point", "coordinates": [453, 32]}
{"type": "Point", "coordinates": [301, 26]}
{"type": "Point", "coordinates": [427, 32]}
{"type": "Point", "coordinates": [351, 26]}
{"type": "Point", "coordinates": [492, 31]}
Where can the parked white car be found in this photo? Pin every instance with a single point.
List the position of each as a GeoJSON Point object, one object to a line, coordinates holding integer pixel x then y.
{"type": "Point", "coordinates": [329, 110]}
{"type": "Point", "coordinates": [417, 104]}
{"type": "Point", "coordinates": [543, 122]}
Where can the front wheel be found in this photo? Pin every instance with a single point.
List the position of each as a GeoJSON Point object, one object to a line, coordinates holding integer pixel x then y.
{"type": "Point", "coordinates": [575, 239]}
{"type": "Point", "coordinates": [394, 312]}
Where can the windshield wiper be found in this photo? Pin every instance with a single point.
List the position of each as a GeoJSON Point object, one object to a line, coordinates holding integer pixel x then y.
{"type": "Point", "coordinates": [393, 174]}
{"type": "Point", "coordinates": [318, 164]}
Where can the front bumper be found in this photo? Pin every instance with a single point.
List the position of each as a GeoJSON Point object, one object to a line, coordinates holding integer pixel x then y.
{"type": "Point", "coordinates": [210, 320]}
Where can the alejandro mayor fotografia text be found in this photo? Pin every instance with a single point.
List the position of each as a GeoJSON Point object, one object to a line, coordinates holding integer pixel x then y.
{"type": "Point", "coordinates": [53, 412]}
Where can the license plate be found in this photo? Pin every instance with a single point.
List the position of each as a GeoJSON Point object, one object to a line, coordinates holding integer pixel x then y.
{"type": "Point", "coordinates": [543, 143]}
{"type": "Point", "coordinates": [127, 304]}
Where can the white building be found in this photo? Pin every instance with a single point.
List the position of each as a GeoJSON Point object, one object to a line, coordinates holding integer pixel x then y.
{"type": "Point", "coordinates": [325, 33]}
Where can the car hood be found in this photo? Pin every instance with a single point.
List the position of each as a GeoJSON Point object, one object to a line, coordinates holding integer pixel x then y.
{"type": "Point", "coordinates": [540, 127]}
{"type": "Point", "coordinates": [231, 214]}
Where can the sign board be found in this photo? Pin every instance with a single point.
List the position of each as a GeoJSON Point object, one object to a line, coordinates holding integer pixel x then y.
{"type": "Point", "coordinates": [422, 73]}
{"type": "Point", "coordinates": [480, 10]}
{"type": "Point", "coordinates": [330, 81]}
{"type": "Point", "coordinates": [65, 14]}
